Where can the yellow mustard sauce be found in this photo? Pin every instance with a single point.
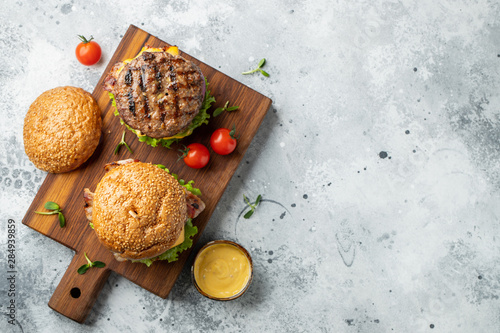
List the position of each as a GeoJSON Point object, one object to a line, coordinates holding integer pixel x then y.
{"type": "Point", "coordinates": [221, 270]}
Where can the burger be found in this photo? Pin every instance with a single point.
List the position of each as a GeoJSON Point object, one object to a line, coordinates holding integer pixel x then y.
{"type": "Point", "coordinates": [62, 129]}
{"type": "Point", "coordinates": [142, 213]}
{"type": "Point", "coordinates": [159, 95]}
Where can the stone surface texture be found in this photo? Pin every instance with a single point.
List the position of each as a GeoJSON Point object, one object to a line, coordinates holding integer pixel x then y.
{"type": "Point", "coordinates": [378, 163]}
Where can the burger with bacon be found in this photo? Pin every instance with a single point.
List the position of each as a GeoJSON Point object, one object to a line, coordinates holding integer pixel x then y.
{"type": "Point", "coordinates": [142, 213]}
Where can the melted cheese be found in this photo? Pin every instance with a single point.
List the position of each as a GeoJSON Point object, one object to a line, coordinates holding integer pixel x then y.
{"type": "Point", "coordinates": [179, 240]}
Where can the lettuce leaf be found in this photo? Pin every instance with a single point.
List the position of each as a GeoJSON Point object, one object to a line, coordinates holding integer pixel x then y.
{"type": "Point", "coordinates": [173, 253]}
{"type": "Point", "coordinates": [200, 119]}
{"type": "Point", "coordinates": [189, 185]}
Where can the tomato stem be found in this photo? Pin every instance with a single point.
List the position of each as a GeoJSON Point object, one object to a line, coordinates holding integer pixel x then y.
{"type": "Point", "coordinates": [184, 153]}
{"type": "Point", "coordinates": [84, 40]}
{"type": "Point", "coordinates": [232, 133]}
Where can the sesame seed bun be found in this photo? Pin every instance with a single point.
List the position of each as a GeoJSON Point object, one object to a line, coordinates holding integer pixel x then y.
{"type": "Point", "coordinates": [62, 129]}
{"type": "Point", "coordinates": [139, 210]}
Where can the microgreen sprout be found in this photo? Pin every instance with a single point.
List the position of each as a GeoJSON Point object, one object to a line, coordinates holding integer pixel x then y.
{"type": "Point", "coordinates": [252, 206]}
{"type": "Point", "coordinates": [83, 269]}
{"type": "Point", "coordinates": [218, 111]}
{"type": "Point", "coordinates": [122, 143]}
{"type": "Point", "coordinates": [53, 209]}
{"type": "Point", "coordinates": [258, 69]}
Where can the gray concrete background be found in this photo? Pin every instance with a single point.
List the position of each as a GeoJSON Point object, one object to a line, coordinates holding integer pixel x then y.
{"type": "Point", "coordinates": [379, 163]}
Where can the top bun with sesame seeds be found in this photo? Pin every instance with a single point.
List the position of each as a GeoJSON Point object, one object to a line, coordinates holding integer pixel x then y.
{"type": "Point", "coordinates": [138, 210]}
{"type": "Point", "coordinates": [62, 129]}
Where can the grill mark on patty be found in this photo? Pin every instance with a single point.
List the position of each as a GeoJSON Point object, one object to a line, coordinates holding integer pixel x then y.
{"type": "Point", "coordinates": [128, 78]}
{"type": "Point", "coordinates": [144, 91]}
{"type": "Point", "coordinates": [189, 84]}
{"type": "Point", "coordinates": [173, 80]}
{"type": "Point", "coordinates": [131, 103]}
{"type": "Point", "coordinates": [173, 77]}
{"type": "Point", "coordinates": [143, 77]}
{"type": "Point", "coordinates": [158, 77]}
{"type": "Point", "coordinates": [158, 88]}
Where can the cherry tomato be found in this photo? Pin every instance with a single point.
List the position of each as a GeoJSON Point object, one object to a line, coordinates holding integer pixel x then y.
{"type": "Point", "coordinates": [223, 141]}
{"type": "Point", "coordinates": [196, 155]}
{"type": "Point", "coordinates": [88, 52]}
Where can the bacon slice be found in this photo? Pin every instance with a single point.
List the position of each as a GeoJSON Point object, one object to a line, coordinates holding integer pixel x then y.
{"type": "Point", "coordinates": [110, 80]}
{"type": "Point", "coordinates": [194, 204]}
{"type": "Point", "coordinates": [112, 165]}
{"type": "Point", "coordinates": [88, 197]}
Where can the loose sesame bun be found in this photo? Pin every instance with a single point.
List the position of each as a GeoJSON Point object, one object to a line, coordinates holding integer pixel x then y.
{"type": "Point", "coordinates": [139, 211]}
{"type": "Point", "coordinates": [62, 129]}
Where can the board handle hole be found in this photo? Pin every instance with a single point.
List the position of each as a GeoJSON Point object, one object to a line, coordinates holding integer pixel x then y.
{"type": "Point", "coordinates": [75, 292]}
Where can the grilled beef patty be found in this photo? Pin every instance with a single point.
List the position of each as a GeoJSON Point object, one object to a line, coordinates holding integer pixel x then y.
{"type": "Point", "coordinates": [157, 93]}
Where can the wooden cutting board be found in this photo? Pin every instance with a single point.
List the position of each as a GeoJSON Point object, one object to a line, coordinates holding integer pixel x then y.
{"type": "Point", "coordinates": [76, 294]}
